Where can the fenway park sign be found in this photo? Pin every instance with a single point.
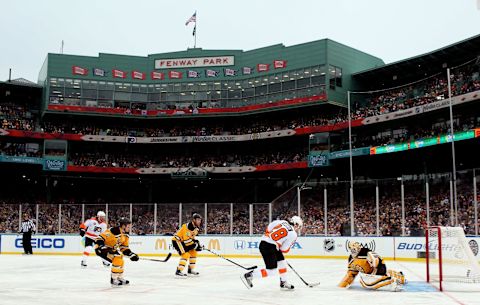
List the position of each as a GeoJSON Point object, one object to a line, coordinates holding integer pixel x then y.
{"type": "Point", "coordinates": [194, 62]}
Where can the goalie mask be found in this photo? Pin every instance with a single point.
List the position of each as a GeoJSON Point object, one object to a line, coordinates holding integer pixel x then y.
{"type": "Point", "coordinates": [354, 247]}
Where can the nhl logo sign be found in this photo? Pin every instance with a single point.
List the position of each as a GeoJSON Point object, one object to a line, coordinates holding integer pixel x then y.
{"type": "Point", "coordinates": [329, 245]}
{"type": "Point", "coordinates": [474, 246]}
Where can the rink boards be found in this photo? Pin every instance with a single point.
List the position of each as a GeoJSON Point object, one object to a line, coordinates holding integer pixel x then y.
{"type": "Point", "coordinates": [407, 248]}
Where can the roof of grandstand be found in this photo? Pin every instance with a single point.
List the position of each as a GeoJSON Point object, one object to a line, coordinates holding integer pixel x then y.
{"type": "Point", "coordinates": [21, 82]}
{"type": "Point", "coordinates": [419, 66]}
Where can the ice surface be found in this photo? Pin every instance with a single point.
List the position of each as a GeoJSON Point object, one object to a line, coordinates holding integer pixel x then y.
{"type": "Point", "coordinates": [41, 279]}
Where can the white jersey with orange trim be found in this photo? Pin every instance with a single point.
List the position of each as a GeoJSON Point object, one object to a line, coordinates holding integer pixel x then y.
{"type": "Point", "coordinates": [281, 234]}
{"type": "Point", "coordinates": [93, 227]}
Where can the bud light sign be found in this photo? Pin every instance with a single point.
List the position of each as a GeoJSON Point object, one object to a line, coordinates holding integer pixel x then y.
{"type": "Point", "coordinates": [54, 165]}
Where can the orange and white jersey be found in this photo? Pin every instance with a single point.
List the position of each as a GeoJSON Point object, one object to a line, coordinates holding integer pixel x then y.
{"type": "Point", "coordinates": [93, 227]}
{"type": "Point", "coordinates": [281, 234]}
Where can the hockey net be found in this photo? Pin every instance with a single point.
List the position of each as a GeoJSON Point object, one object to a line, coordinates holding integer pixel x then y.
{"type": "Point", "coordinates": [449, 257]}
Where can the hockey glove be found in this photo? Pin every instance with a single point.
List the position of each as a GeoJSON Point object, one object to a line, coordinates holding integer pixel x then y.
{"type": "Point", "coordinates": [129, 253]}
{"type": "Point", "coordinates": [102, 251]}
{"type": "Point", "coordinates": [82, 232]}
{"type": "Point", "coordinates": [198, 247]}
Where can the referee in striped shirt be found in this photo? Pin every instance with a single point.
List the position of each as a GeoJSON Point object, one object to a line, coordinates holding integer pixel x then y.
{"type": "Point", "coordinates": [28, 228]}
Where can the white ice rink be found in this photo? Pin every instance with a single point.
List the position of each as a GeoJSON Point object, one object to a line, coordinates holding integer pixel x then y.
{"type": "Point", "coordinates": [40, 279]}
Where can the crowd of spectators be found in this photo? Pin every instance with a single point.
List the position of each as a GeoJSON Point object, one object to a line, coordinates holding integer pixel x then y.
{"type": "Point", "coordinates": [20, 149]}
{"type": "Point", "coordinates": [312, 210]}
{"type": "Point", "coordinates": [13, 116]}
{"type": "Point", "coordinates": [151, 160]}
{"type": "Point", "coordinates": [215, 129]}
{"type": "Point", "coordinates": [408, 133]}
{"type": "Point", "coordinates": [463, 80]}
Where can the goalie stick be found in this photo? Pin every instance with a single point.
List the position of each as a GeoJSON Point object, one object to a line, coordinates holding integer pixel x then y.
{"type": "Point", "coordinates": [157, 260]}
{"type": "Point", "coordinates": [308, 284]}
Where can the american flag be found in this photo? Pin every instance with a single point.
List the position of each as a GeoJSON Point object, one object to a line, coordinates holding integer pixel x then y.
{"type": "Point", "coordinates": [247, 70]}
{"type": "Point", "coordinates": [192, 19]}
{"type": "Point", "coordinates": [211, 73]}
{"type": "Point", "coordinates": [193, 74]}
{"type": "Point", "coordinates": [230, 72]}
{"type": "Point", "coordinates": [99, 72]}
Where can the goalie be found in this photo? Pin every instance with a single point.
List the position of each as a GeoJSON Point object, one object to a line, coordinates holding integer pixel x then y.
{"type": "Point", "coordinates": [373, 271]}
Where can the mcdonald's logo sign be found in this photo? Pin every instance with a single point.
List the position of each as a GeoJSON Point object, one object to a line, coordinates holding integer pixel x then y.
{"type": "Point", "coordinates": [161, 244]}
{"type": "Point", "coordinates": [214, 244]}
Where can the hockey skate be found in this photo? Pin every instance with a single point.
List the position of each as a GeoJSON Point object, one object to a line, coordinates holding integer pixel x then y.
{"type": "Point", "coordinates": [180, 275]}
{"type": "Point", "coordinates": [247, 279]}
{"type": "Point", "coordinates": [192, 272]}
{"type": "Point", "coordinates": [117, 280]}
{"type": "Point", "coordinates": [83, 265]}
{"type": "Point", "coordinates": [284, 285]}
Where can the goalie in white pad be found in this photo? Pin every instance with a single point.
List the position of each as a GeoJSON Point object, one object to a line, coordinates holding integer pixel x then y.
{"type": "Point", "coordinates": [373, 271]}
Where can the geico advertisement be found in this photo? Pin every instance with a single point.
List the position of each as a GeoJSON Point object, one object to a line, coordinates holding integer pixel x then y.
{"type": "Point", "coordinates": [415, 247]}
{"type": "Point", "coordinates": [43, 244]}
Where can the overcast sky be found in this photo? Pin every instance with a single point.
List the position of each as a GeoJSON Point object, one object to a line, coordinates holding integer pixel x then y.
{"type": "Point", "coordinates": [390, 29]}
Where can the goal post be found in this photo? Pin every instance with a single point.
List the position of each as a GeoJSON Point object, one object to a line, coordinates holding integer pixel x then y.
{"type": "Point", "coordinates": [449, 257]}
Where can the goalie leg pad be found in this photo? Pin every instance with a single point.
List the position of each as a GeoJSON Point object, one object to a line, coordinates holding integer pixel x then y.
{"type": "Point", "coordinates": [393, 281]}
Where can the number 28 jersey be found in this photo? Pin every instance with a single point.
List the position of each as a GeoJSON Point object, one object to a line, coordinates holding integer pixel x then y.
{"type": "Point", "coordinates": [281, 234]}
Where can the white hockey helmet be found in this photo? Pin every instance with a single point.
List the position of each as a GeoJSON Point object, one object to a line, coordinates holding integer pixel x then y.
{"type": "Point", "coordinates": [101, 214]}
{"type": "Point", "coordinates": [296, 220]}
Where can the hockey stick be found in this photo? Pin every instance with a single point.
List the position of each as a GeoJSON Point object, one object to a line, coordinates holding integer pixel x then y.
{"type": "Point", "coordinates": [308, 284]}
{"type": "Point", "coordinates": [157, 260]}
{"type": "Point", "coordinates": [221, 256]}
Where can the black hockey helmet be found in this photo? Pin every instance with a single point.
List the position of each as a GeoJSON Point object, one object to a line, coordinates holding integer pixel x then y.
{"type": "Point", "coordinates": [196, 215]}
{"type": "Point", "coordinates": [124, 221]}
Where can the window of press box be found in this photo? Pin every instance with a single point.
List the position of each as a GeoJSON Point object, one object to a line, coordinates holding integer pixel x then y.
{"type": "Point", "coordinates": [303, 82]}
{"type": "Point", "coordinates": [277, 87]}
{"type": "Point", "coordinates": [338, 77]}
{"type": "Point", "coordinates": [135, 88]}
{"type": "Point", "coordinates": [122, 96]}
{"type": "Point", "coordinates": [89, 93]}
{"type": "Point", "coordinates": [89, 84]}
{"type": "Point", "coordinates": [105, 94]}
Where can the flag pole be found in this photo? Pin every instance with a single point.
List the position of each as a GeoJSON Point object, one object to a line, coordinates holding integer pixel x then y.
{"type": "Point", "coordinates": [195, 31]}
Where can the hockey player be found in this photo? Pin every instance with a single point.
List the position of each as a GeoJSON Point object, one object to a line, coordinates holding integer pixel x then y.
{"type": "Point", "coordinates": [279, 237]}
{"type": "Point", "coordinates": [187, 246]}
{"type": "Point", "coordinates": [91, 228]}
{"type": "Point", "coordinates": [112, 245]}
{"type": "Point", "coordinates": [373, 271]}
